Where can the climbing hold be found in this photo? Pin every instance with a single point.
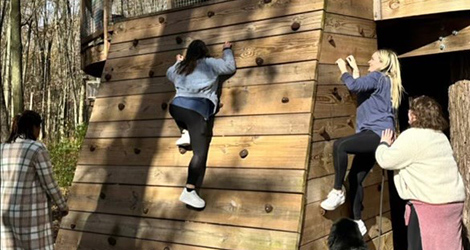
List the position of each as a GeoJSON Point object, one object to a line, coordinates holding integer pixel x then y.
{"type": "Point", "coordinates": [107, 77]}
{"type": "Point", "coordinates": [72, 226]}
{"type": "Point", "coordinates": [151, 73]}
{"type": "Point", "coordinates": [164, 105]}
{"type": "Point", "coordinates": [349, 121]}
{"type": "Point", "coordinates": [221, 105]}
{"type": "Point", "coordinates": [267, 1]}
{"type": "Point", "coordinates": [210, 14]}
{"type": "Point", "coordinates": [92, 148]}
{"type": "Point", "coordinates": [121, 106]}
{"type": "Point", "coordinates": [167, 248]}
{"type": "Point", "coordinates": [161, 19]}
{"type": "Point", "coordinates": [182, 150]}
{"type": "Point", "coordinates": [146, 211]}
{"type": "Point", "coordinates": [136, 151]}
{"type": "Point", "coordinates": [259, 61]}
{"type": "Point", "coordinates": [455, 32]}
{"type": "Point", "coordinates": [442, 47]}
{"type": "Point", "coordinates": [322, 131]}
{"type": "Point", "coordinates": [331, 41]}
{"type": "Point", "coordinates": [336, 94]}
{"type": "Point", "coordinates": [361, 32]}
{"type": "Point", "coordinates": [243, 154]}
{"type": "Point", "coordinates": [112, 241]}
{"type": "Point", "coordinates": [295, 26]}
{"type": "Point", "coordinates": [285, 99]}
{"type": "Point", "coordinates": [179, 40]}
{"type": "Point", "coordinates": [135, 42]}
{"type": "Point", "coordinates": [102, 195]}
{"type": "Point", "coordinates": [268, 208]}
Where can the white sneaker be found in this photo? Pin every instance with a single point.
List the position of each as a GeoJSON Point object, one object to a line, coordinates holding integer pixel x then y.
{"type": "Point", "coordinates": [192, 199]}
{"type": "Point", "coordinates": [184, 140]}
{"type": "Point", "coordinates": [335, 199]}
{"type": "Point", "coordinates": [362, 226]}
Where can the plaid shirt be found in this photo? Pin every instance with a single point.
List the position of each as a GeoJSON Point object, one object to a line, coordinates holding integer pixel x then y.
{"type": "Point", "coordinates": [26, 184]}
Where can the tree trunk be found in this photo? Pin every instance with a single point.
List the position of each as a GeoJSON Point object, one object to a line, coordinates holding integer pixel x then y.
{"type": "Point", "coordinates": [4, 126]}
{"type": "Point", "coordinates": [16, 57]}
{"type": "Point", "coordinates": [459, 105]}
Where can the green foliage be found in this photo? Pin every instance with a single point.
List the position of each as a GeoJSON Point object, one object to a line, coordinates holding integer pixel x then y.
{"type": "Point", "coordinates": [64, 156]}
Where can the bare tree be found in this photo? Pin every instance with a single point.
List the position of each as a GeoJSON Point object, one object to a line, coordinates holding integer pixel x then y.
{"type": "Point", "coordinates": [15, 48]}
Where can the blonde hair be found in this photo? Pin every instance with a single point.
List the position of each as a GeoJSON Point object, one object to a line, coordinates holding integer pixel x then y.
{"type": "Point", "coordinates": [391, 68]}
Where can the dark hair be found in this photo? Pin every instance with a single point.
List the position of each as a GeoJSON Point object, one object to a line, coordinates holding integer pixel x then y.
{"type": "Point", "coordinates": [428, 114]}
{"type": "Point", "coordinates": [23, 125]}
{"type": "Point", "coordinates": [197, 50]}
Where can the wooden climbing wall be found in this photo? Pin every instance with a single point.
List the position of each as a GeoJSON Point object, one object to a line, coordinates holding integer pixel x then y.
{"type": "Point", "coordinates": [284, 106]}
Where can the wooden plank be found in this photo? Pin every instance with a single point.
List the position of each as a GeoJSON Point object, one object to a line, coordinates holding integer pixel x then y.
{"type": "Point", "coordinates": [386, 242]}
{"type": "Point", "coordinates": [329, 74]}
{"type": "Point", "coordinates": [346, 25]}
{"type": "Point", "coordinates": [190, 233]}
{"type": "Point", "coordinates": [333, 128]}
{"type": "Point", "coordinates": [318, 188]}
{"type": "Point", "coordinates": [406, 8]}
{"type": "Point", "coordinates": [290, 72]}
{"type": "Point", "coordinates": [296, 47]}
{"type": "Point", "coordinates": [68, 239]}
{"type": "Point", "coordinates": [317, 226]}
{"type": "Point", "coordinates": [372, 224]}
{"type": "Point", "coordinates": [321, 159]}
{"type": "Point", "coordinates": [263, 152]}
{"type": "Point", "coordinates": [327, 104]}
{"type": "Point", "coordinates": [334, 46]}
{"type": "Point", "coordinates": [451, 43]}
{"type": "Point", "coordinates": [356, 8]}
{"type": "Point", "coordinates": [288, 124]}
{"type": "Point", "coordinates": [221, 178]}
{"type": "Point", "coordinates": [225, 14]}
{"type": "Point", "coordinates": [251, 30]}
{"type": "Point", "coordinates": [253, 100]}
{"type": "Point", "coordinates": [223, 207]}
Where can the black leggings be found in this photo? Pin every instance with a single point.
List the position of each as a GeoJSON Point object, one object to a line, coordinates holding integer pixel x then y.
{"type": "Point", "coordinates": [363, 145]}
{"type": "Point", "coordinates": [200, 134]}
{"type": "Point", "coordinates": [414, 233]}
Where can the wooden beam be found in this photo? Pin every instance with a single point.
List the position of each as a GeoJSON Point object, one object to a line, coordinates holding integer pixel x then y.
{"type": "Point", "coordinates": [346, 25]}
{"type": "Point", "coordinates": [285, 180]}
{"type": "Point", "coordinates": [179, 232]}
{"type": "Point", "coordinates": [263, 152]}
{"type": "Point", "coordinates": [407, 8]}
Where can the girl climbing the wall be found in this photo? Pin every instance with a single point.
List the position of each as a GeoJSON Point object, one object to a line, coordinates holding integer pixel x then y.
{"type": "Point", "coordinates": [378, 94]}
{"type": "Point", "coordinates": [196, 81]}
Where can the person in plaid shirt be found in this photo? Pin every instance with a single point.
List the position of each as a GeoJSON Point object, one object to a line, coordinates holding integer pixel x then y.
{"type": "Point", "coordinates": [27, 184]}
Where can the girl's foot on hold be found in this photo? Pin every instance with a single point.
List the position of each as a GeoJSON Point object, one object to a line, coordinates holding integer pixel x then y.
{"type": "Point", "coordinates": [335, 199]}
{"type": "Point", "coordinates": [192, 199]}
{"type": "Point", "coordinates": [184, 140]}
{"type": "Point", "coordinates": [362, 226]}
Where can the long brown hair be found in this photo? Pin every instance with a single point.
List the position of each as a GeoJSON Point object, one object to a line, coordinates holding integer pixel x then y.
{"type": "Point", "coordinates": [23, 126]}
{"type": "Point", "coordinates": [428, 114]}
{"type": "Point", "coordinates": [197, 49]}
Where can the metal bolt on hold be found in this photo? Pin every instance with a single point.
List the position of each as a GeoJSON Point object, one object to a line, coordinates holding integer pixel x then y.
{"type": "Point", "coordinates": [295, 26]}
{"type": "Point", "coordinates": [161, 19]}
{"type": "Point", "coordinates": [442, 47]}
{"type": "Point", "coordinates": [455, 32]}
{"type": "Point", "coordinates": [135, 42]}
{"type": "Point", "coordinates": [210, 14]}
{"type": "Point", "coordinates": [112, 241]}
{"type": "Point", "coordinates": [285, 99]}
{"type": "Point", "coordinates": [259, 61]}
{"type": "Point", "coordinates": [137, 151]}
{"type": "Point", "coordinates": [441, 38]}
{"type": "Point", "coordinates": [243, 154]}
{"type": "Point", "coordinates": [268, 208]}
{"type": "Point", "coordinates": [121, 106]}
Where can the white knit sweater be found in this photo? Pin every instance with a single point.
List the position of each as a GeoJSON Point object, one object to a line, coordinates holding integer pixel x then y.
{"type": "Point", "coordinates": [425, 167]}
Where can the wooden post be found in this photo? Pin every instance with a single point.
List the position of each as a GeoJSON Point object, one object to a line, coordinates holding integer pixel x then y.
{"type": "Point", "coordinates": [459, 104]}
{"type": "Point", "coordinates": [105, 26]}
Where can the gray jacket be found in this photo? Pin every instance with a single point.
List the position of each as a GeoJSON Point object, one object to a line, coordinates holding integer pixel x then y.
{"type": "Point", "coordinates": [203, 81]}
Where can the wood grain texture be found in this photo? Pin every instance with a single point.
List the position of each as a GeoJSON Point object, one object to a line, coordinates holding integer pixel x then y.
{"type": "Point", "coordinates": [285, 180]}
{"type": "Point", "coordinates": [263, 152]}
{"type": "Point", "coordinates": [273, 50]}
{"type": "Point", "coordinates": [333, 128]}
{"type": "Point", "coordinates": [321, 159]}
{"type": "Point", "coordinates": [329, 74]}
{"type": "Point", "coordinates": [253, 100]}
{"type": "Point", "coordinates": [356, 8]}
{"type": "Point", "coordinates": [327, 104]}
{"type": "Point", "coordinates": [282, 73]}
{"type": "Point", "coordinates": [334, 46]}
{"type": "Point", "coordinates": [407, 8]}
{"type": "Point", "coordinates": [225, 14]}
{"type": "Point", "coordinates": [251, 30]}
{"type": "Point", "coordinates": [189, 233]}
{"type": "Point", "coordinates": [346, 25]}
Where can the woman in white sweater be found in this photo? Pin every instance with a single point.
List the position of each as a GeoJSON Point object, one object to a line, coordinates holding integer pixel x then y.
{"type": "Point", "coordinates": [427, 175]}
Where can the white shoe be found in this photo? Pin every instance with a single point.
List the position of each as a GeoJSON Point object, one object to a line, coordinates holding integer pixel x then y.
{"type": "Point", "coordinates": [184, 140]}
{"type": "Point", "coordinates": [335, 199]}
{"type": "Point", "coordinates": [192, 199]}
{"type": "Point", "coordinates": [362, 226]}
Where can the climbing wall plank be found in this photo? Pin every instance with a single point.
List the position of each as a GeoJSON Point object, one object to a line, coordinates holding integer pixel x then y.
{"type": "Point", "coordinates": [180, 232]}
{"type": "Point", "coordinates": [224, 14]}
{"type": "Point", "coordinates": [347, 25]}
{"type": "Point", "coordinates": [276, 49]}
{"type": "Point", "coordinates": [333, 128]}
{"type": "Point", "coordinates": [333, 101]}
{"type": "Point", "coordinates": [336, 46]}
{"type": "Point", "coordinates": [329, 74]}
{"type": "Point", "coordinates": [321, 159]}
{"type": "Point", "coordinates": [236, 208]}
{"type": "Point", "coordinates": [263, 99]}
{"type": "Point", "coordinates": [271, 27]}
{"type": "Point", "coordinates": [357, 8]}
{"type": "Point", "coordinates": [399, 9]}
{"type": "Point", "coordinates": [224, 152]}
{"type": "Point", "coordinates": [281, 73]}
{"type": "Point", "coordinates": [285, 180]}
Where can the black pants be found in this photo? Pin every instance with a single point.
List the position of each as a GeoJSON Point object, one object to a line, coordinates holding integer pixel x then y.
{"type": "Point", "coordinates": [200, 134]}
{"type": "Point", "coordinates": [414, 233]}
{"type": "Point", "coordinates": [363, 145]}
